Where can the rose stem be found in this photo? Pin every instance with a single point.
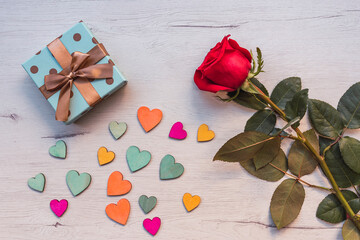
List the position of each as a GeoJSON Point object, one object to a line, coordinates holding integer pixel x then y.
{"type": "Point", "coordinates": [319, 159]}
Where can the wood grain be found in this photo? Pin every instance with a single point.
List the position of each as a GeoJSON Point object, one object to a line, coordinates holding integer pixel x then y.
{"type": "Point", "coordinates": [158, 45]}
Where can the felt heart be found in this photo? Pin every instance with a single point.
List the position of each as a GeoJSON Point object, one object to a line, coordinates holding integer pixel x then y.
{"type": "Point", "coordinates": [152, 226]}
{"type": "Point", "coordinates": [116, 185]}
{"type": "Point", "coordinates": [58, 150]}
{"type": "Point", "coordinates": [59, 207]}
{"type": "Point", "coordinates": [204, 134]}
{"type": "Point", "coordinates": [37, 183]}
{"type": "Point", "coordinates": [177, 131]}
{"type": "Point", "coordinates": [136, 159]}
{"type": "Point", "coordinates": [76, 182]}
{"type": "Point", "coordinates": [169, 169]}
{"type": "Point", "coordinates": [191, 202]}
{"type": "Point", "coordinates": [149, 119]}
{"type": "Point", "coordinates": [117, 129]}
{"type": "Point", "coordinates": [119, 212]}
{"type": "Point", "coordinates": [147, 204]}
{"type": "Point", "coordinates": [105, 156]}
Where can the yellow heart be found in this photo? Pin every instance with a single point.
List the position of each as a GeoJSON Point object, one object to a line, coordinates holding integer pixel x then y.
{"type": "Point", "coordinates": [191, 202]}
{"type": "Point", "coordinates": [105, 156]}
{"type": "Point", "coordinates": [204, 134]}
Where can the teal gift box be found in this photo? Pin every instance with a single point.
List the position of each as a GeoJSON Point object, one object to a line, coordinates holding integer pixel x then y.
{"type": "Point", "coordinates": [55, 58]}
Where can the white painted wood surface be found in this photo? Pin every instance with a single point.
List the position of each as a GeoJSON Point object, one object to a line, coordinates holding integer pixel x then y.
{"type": "Point", "coordinates": [158, 45]}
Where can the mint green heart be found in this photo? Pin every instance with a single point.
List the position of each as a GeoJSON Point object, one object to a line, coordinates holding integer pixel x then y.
{"type": "Point", "coordinates": [169, 169]}
{"type": "Point", "coordinates": [117, 129]}
{"type": "Point", "coordinates": [58, 150]}
{"type": "Point", "coordinates": [37, 183]}
{"type": "Point", "coordinates": [136, 159]}
{"type": "Point", "coordinates": [77, 183]}
{"type": "Point", "coordinates": [147, 204]}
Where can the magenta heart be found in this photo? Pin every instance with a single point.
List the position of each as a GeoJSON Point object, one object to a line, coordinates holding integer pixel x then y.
{"type": "Point", "coordinates": [177, 131]}
{"type": "Point", "coordinates": [59, 207]}
{"type": "Point", "coordinates": [152, 226]}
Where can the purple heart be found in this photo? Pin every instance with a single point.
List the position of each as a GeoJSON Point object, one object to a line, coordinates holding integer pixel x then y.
{"type": "Point", "coordinates": [177, 131]}
{"type": "Point", "coordinates": [59, 207]}
{"type": "Point", "coordinates": [152, 226]}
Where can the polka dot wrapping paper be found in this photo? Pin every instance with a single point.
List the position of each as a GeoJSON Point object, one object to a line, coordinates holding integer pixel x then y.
{"type": "Point", "coordinates": [78, 39]}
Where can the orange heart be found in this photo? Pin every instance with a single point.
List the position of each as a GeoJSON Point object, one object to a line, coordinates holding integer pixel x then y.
{"type": "Point", "coordinates": [116, 185]}
{"type": "Point", "coordinates": [149, 119]}
{"type": "Point", "coordinates": [119, 212]}
{"type": "Point", "coordinates": [105, 156]}
{"type": "Point", "coordinates": [191, 202]}
{"type": "Point", "coordinates": [204, 134]}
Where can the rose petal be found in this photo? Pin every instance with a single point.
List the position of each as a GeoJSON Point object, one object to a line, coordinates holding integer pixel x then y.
{"type": "Point", "coordinates": [244, 51]}
{"type": "Point", "coordinates": [206, 85]}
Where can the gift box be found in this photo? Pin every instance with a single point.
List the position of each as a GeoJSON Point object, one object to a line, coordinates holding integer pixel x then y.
{"type": "Point", "coordinates": [74, 72]}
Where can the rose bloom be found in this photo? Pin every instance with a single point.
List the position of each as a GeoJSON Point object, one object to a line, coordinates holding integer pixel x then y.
{"type": "Point", "coordinates": [225, 67]}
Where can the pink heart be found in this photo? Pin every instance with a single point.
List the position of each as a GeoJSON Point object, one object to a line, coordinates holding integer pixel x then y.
{"type": "Point", "coordinates": [177, 131]}
{"type": "Point", "coordinates": [59, 207]}
{"type": "Point", "coordinates": [152, 226]}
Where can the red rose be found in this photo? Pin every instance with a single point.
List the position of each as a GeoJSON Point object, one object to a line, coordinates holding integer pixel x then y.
{"type": "Point", "coordinates": [225, 67]}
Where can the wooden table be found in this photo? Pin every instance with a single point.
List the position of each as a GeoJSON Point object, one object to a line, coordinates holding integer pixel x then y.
{"type": "Point", "coordinates": [158, 45]}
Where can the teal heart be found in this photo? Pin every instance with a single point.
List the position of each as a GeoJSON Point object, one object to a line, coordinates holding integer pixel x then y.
{"type": "Point", "coordinates": [117, 129]}
{"type": "Point", "coordinates": [76, 182]}
{"type": "Point", "coordinates": [147, 204]}
{"type": "Point", "coordinates": [37, 183]}
{"type": "Point", "coordinates": [169, 169]}
{"type": "Point", "coordinates": [136, 159]}
{"type": "Point", "coordinates": [58, 150]}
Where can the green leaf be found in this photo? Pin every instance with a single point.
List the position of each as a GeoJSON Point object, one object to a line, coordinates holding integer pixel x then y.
{"type": "Point", "coordinates": [323, 143]}
{"type": "Point", "coordinates": [325, 119]}
{"type": "Point", "coordinates": [262, 121]}
{"type": "Point", "coordinates": [286, 202]}
{"type": "Point", "coordinates": [350, 231]}
{"type": "Point", "coordinates": [285, 91]}
{"type": "Point", "coordinates": [350, 151]}
{"type": "Point", "coordinates": [268, 173]}
{"type": "Point", "coordinates": [267, 153]}
{"type": "Point", "coordinates": [249, 100]}
{"type": "Point", "coordinates": [331, 210]}
{"type": "Point", "coordinates": [242, 147]}
{"type": "Point", "coordinates": [301, 161]}
{"type": "Point", "coordinates": [343, 175]}
{"type": "Point", "coordinates": [349, 106]}
{"type": "Point", "coordinates": [277, 131]}
{"type": "Point", "coordinates": [297, 106]}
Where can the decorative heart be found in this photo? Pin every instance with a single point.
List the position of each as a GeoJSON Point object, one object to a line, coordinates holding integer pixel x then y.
{"type": "Point", "coordinates": [117, 129]}
{"type": "Point", "coordinates": [177, 131]}
{"type": "Point", "coordinates": [119, 212]}
{"type": "Point", "coordinates": [58, 150]}
{"type": "Point", "coordinates": [76, 182]}
{"type": "Point", "coordinates": [37, 183]}
{"type": "Point", "coordinates": [136, 159]}
{"type": "Point", "coordinates": [59, 207]}
{"type": "Point", "coordinates": [152, 226]}
{"type": "Point", "coordinates": [147, 204]}
{"type": "Point", "coordinates": [191, 202]}
{"type": "Point", "coordinates": [204, 134]}
{"type": "Point", "coordinates": [169, 169]}
{"type": "Point", "coordinates": [149, 119]}
{"type": "Point", "coordinates": [116, 185]}
{"type": "Point", "coordinates": [105, 156]}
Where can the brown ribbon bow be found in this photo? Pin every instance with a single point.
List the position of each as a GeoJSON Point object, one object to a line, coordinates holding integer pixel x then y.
{"type": "Point", "coordinates": [81, 69]}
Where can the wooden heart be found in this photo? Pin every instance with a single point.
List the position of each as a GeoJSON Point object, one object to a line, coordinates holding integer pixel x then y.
{"type": "Point", "coordinates": [177, 131]}
{"type": "Point", "coordinates": [191, 202]}
{"type": "Point", "coordinates": [136, 159]}
{"type": "Point", "coordinates": [76, 182]}
{"type": "Point", "coordinates": [117, 129]}
{"type": "Point", "coordinates": [204, 134]}
{"type": "Point", "coordinates": [105, 156]}
{"type": "Point", "coordinates": [149, 119]}
{"type": "Point", "coordinates": [116, 185]}
{"type": "Point", "coordinates": [147, 204]}
{"type": "Point", "coordinates": [169, 169]}
{"type": "Point", "coordinates": [152, 226]}
{"type": "Point", "coordinates": [58, 150]}
{"type": "Point", "coordinates": [59, 207]}
{"type": "Point", "coordinates": [37, 183]}
{"type": "Point", "coordinates": [119, 212]}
